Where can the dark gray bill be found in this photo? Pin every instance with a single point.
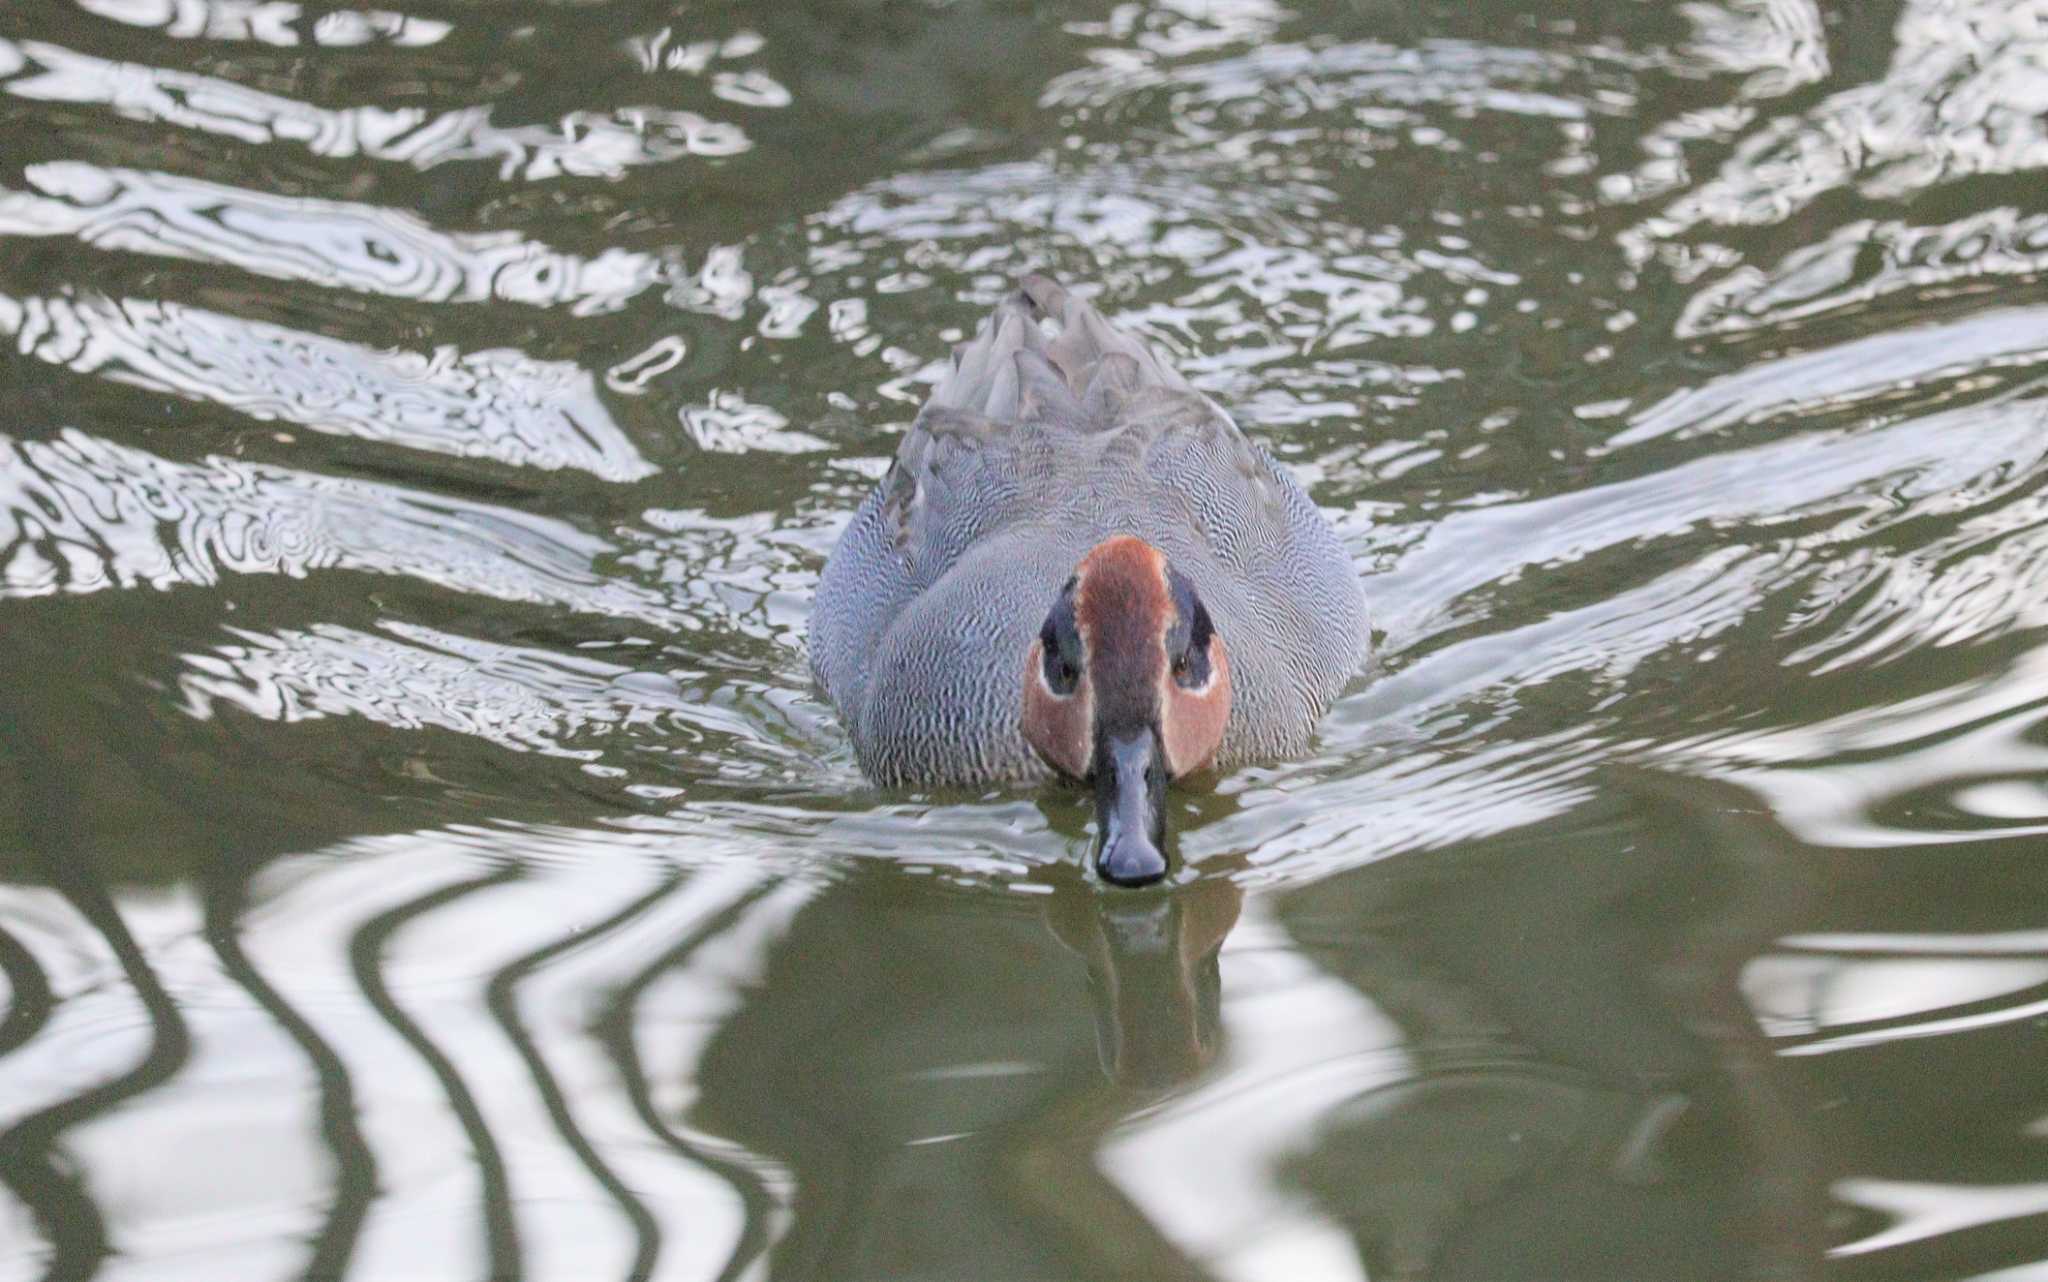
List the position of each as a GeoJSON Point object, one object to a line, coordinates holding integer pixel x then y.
{"type": "Point", "coordinates": [1130, 807]}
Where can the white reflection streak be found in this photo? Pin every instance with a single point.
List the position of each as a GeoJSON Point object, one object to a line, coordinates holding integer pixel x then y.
{"type": "Point", "coordinates": [497, 404]}
{"type": "Point", "coordinates": [1922, 1211]}
{"type": "Point", "coordinates": [1801, 993]}
{"type": "Point", "coordinates": [1991, 943]}
{"type": "Point", "coordinates": [1845, 373]}
{"type": "Point", "coordinates": [1914, 1032]}
{"type": "Point", "coordinates": [448, 955]}
{"type": "Point", "coordinates": [581, 144]}
{"type": "Point", "coordinates": [263, 21]}
{"type": "Point", "coordinates": [322, 242]}
{"type": "Point", "coordinates": [701, 1215]}
{"type": "Point", "coordinates": [1921, 458]}
{"type": "Point", "coordinates": [299, 935]}
{"type": "Point", "coordinates": [251, 1169]}
{"type": "Point", "coordinates": [1301, 1042]}
{"type": "Point", "coordinates": [95, 1030]}
{"type": "Point", "coordinates": [253, 1159]}
{"type": "Point", "coordinates": [82, 514]}
{"type": "Point", "coordinates": [1981, 731]}
{"type": "Point", "coordinates": [524, 700]}
{"type": "Point", "coordinates": [437, 967]}
{"type": "Point", "coordinates": [24, 1257]}
{"type": "Point", "coordinates": [96, 1027]}
{"type": "Point", "coordinates": [271, 22]}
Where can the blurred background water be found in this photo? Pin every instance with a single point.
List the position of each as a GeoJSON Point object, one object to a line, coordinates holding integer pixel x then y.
{"type": "Point", "coordinates": [422, 854]}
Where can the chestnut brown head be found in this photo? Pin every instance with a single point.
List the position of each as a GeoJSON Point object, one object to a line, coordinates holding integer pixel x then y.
{"type": "Point", "coordinates": [1127, 685]}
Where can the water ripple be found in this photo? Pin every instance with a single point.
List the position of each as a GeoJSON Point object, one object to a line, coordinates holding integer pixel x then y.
{"type": "Point", "coordinates": [662, 954]}
{"type": "Point", "coordinates": [1464, 685]}
{"type": "Point", "coordinates": [752, 574]}
{"type": "Point", "coordinates": [270, 22]}
{"type": "Point", "coordinates": [1293, 80]}
{"type": "Point", "coordinates": [1817, 1004]}
{"type": "Point", "coordinates": [1847, 376]}
{"type": "Point", "coordinates": [1959, 98]}
{"type": "Point", "coordinates": [1858, 474]}
{"type": "Point", "coordinates": [1271, 271]}
{"type": "Point", "coordinates": [1869, 260]}
{"type": "Point", "coordinates": [1775, 45]}
{"type": "Point", "coordinates": [1920, 1210]}
{"type": "Point", "coordinates": [581, 144]}
{"type": "Point", "coordinates": [1964, 96]}
{"type": "Point", "coordinates": [521, 699]}
{"type": "Point", "coordinates": [321, 242]}
{"type": "Point", "coordinates": [81, 514]}
{"type": "Point", "coordinates": [496, 404]}
{"type": "Point", "coordinates": [634, 724]}
{"type": "Point", "coordinates": [1922, 773]}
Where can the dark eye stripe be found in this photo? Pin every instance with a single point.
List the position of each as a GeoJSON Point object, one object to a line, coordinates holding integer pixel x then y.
{"type": "Point", "coordinates": [1187, 638]}
{"type": "Point", "coordinates": [1060, 639]}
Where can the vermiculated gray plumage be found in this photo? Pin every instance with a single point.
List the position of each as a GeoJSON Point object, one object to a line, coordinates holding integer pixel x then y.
{"type": "Point", "coordinates": [1029, 453]}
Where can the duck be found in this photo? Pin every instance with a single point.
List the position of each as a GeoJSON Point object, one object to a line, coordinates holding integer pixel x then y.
{"type": "Point", "coordinates": [1078, 566]}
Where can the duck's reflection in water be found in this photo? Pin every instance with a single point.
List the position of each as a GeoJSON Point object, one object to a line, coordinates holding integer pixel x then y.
{"type": "Point", "coordinates": [920, 1057]}
{"type": "Point", "coordinates": [1153, 974]}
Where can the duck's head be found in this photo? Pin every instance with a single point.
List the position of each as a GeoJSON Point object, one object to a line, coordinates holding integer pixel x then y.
{"type": "Point", "coordinates": [1127, 685]}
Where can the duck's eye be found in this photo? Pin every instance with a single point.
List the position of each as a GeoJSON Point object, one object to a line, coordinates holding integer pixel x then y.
{"type": "Point", "coordinates": [1061, 674]}
{"type": "Point", "coordinates": [1059, 643]}
{"type": "Point", "coordinates": [1188, 639]}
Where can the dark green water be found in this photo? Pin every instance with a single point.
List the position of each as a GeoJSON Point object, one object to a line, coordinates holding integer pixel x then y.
{"type": "Point", "coordinates": [422, 854]}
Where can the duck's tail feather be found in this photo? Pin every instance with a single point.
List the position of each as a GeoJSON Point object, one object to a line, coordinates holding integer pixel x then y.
{"type": "Point", "coordinates": [1085, 373]}
{"type": "Point", "coordinates": [1096, 359]}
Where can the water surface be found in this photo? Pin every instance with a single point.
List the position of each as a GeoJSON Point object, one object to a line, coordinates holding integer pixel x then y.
{"type": "Point", "coordinates": [423, 855]}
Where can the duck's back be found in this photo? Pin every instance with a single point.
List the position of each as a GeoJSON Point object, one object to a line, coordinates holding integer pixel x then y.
{"type": "Point", "coordinates": [1029, 453]}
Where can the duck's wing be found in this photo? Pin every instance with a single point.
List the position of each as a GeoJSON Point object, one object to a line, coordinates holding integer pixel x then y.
{"type": "Point", "coordinates": [981, 456]}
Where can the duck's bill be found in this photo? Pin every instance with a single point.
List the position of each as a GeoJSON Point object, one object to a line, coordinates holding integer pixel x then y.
{"type": "Point", "coordinates": [1130, 807]}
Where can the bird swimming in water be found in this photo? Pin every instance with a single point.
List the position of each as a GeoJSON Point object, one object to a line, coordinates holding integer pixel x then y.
{"type": "Point", "coordinates": [1079, 564]}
